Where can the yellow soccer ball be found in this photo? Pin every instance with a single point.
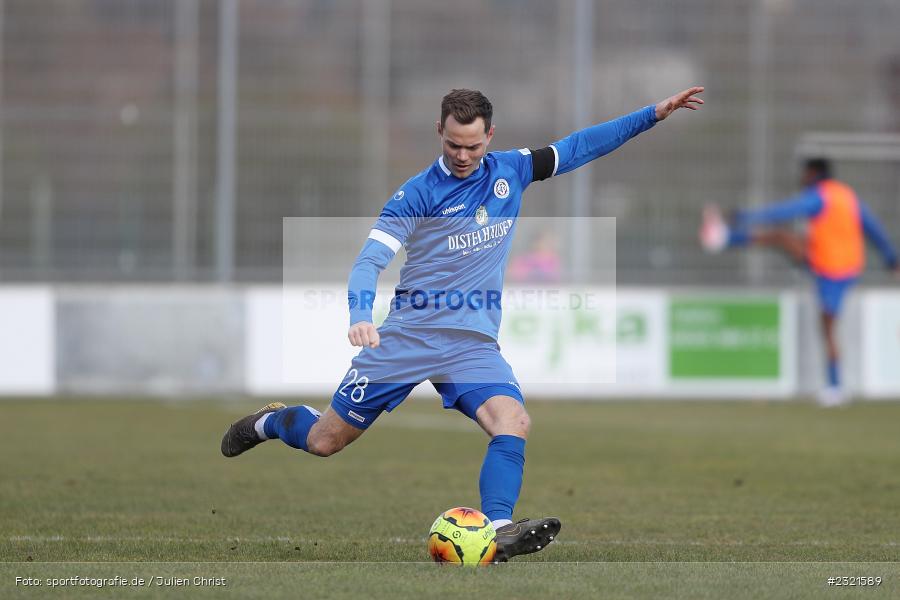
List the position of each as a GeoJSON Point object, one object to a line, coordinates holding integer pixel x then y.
{"type": "Point", "coordinates": [462, 536]}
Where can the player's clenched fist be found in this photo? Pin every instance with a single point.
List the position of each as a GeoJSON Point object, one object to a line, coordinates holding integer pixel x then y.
{"type": "Point", "coordinates": [363, 334]}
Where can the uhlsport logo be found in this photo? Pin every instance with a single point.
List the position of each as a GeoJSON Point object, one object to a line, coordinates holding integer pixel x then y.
{"type": "Point", "coordinates": [399, 195]}
{"type": "Point", "coordinates": [481, 216]}
{"type": "Point", "coordinates": [453, 209]}
{"type": "Point", "coordinates": [501, 188]}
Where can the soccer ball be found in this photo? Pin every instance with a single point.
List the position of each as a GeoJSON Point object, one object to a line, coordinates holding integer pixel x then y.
{"type": "Point", "coordinates": [462, 536]}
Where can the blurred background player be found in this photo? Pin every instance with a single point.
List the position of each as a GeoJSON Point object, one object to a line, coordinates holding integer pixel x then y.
{"type": "Point", "coordinates": [457, 220]}
{"type": "Point", "coordinates": [832, 248]}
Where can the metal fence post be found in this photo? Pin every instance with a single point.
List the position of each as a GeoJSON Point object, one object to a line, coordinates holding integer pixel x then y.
{"type": "Point", "coordinates": [226, 167]}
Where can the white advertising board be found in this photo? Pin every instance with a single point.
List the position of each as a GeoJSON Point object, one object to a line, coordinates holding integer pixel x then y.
{"type": "Point", "coordinates": [881, 344]}
{"type": "Point", "coordinates": [27, 344]}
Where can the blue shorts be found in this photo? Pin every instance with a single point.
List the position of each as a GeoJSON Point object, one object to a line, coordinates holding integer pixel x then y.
{"type": "Point", "coordinates": [831, 293]}
{"type": "Point", "coordinates": [465, 367]}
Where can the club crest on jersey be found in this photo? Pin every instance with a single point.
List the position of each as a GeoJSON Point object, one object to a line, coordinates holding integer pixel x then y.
{"type": "Point", "coordinates": [481, 216]}
{"type": "Point", "coordinates": [501, 188]}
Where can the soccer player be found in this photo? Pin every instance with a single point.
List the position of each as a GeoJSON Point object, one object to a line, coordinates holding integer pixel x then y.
{"type": "Point", "coordinates": [833, 249]}
{"type": "Point", "coordinates": [456, 219]}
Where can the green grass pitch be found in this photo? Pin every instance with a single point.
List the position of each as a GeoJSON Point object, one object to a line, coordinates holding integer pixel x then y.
{"type": "Point", "coordinates": [657, 499]}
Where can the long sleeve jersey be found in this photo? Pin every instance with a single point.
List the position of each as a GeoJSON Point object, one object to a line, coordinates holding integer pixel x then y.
{"type": "Point", "coordinates": [458, 232]}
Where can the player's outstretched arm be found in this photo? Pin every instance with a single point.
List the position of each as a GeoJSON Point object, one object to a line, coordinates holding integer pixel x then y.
{"type": "Point", "coordinates": [685, 99]}
{"type": "Point", "coordinates": [585, 145]}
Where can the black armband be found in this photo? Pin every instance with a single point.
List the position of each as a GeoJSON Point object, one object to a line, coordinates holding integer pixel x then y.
{"type": "Point", "coordinates": [543, 163]}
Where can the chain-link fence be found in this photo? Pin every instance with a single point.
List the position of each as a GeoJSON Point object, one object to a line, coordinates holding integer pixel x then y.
{"type": "Point", "coordinates": [115, 120]}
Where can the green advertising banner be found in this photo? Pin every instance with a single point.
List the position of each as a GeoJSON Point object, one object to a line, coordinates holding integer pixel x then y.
{"type": "Point", "coordinates": [716, 338]}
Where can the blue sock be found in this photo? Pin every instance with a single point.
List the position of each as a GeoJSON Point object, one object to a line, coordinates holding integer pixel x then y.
{"type": "Point", "coordinates": [834, 377]}
{"type": "Point", "coordinates": [738, 237]}
{"type": "Point", "coordinates": [501, 476]}
{"type": "Point", "coordinates": [291, 425]}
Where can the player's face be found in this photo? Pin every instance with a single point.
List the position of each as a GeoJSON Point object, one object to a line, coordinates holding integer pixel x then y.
{"type": "Point", "coordinates": [463, 145]}
{"type": "Point", "coordinates": [809, 177]}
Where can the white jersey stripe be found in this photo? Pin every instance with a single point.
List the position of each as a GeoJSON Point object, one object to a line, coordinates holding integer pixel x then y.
{"type": "Point", "coordinates": [555, 159]}
{"type": "Point", "coordinates": [386, 239]}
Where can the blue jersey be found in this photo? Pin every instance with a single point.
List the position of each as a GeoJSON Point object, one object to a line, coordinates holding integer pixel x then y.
{"type": "Point", "coordinates": [458, 232]}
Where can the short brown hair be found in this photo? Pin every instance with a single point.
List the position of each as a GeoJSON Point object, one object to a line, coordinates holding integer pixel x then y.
{"type": "Point", "coordinates": [466, 106]}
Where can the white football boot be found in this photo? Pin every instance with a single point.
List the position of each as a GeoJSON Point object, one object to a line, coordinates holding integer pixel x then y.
{"type": "Point", "coordinates": [713, 230]}
{"type": "Point", "coordinates": [831, 397]}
